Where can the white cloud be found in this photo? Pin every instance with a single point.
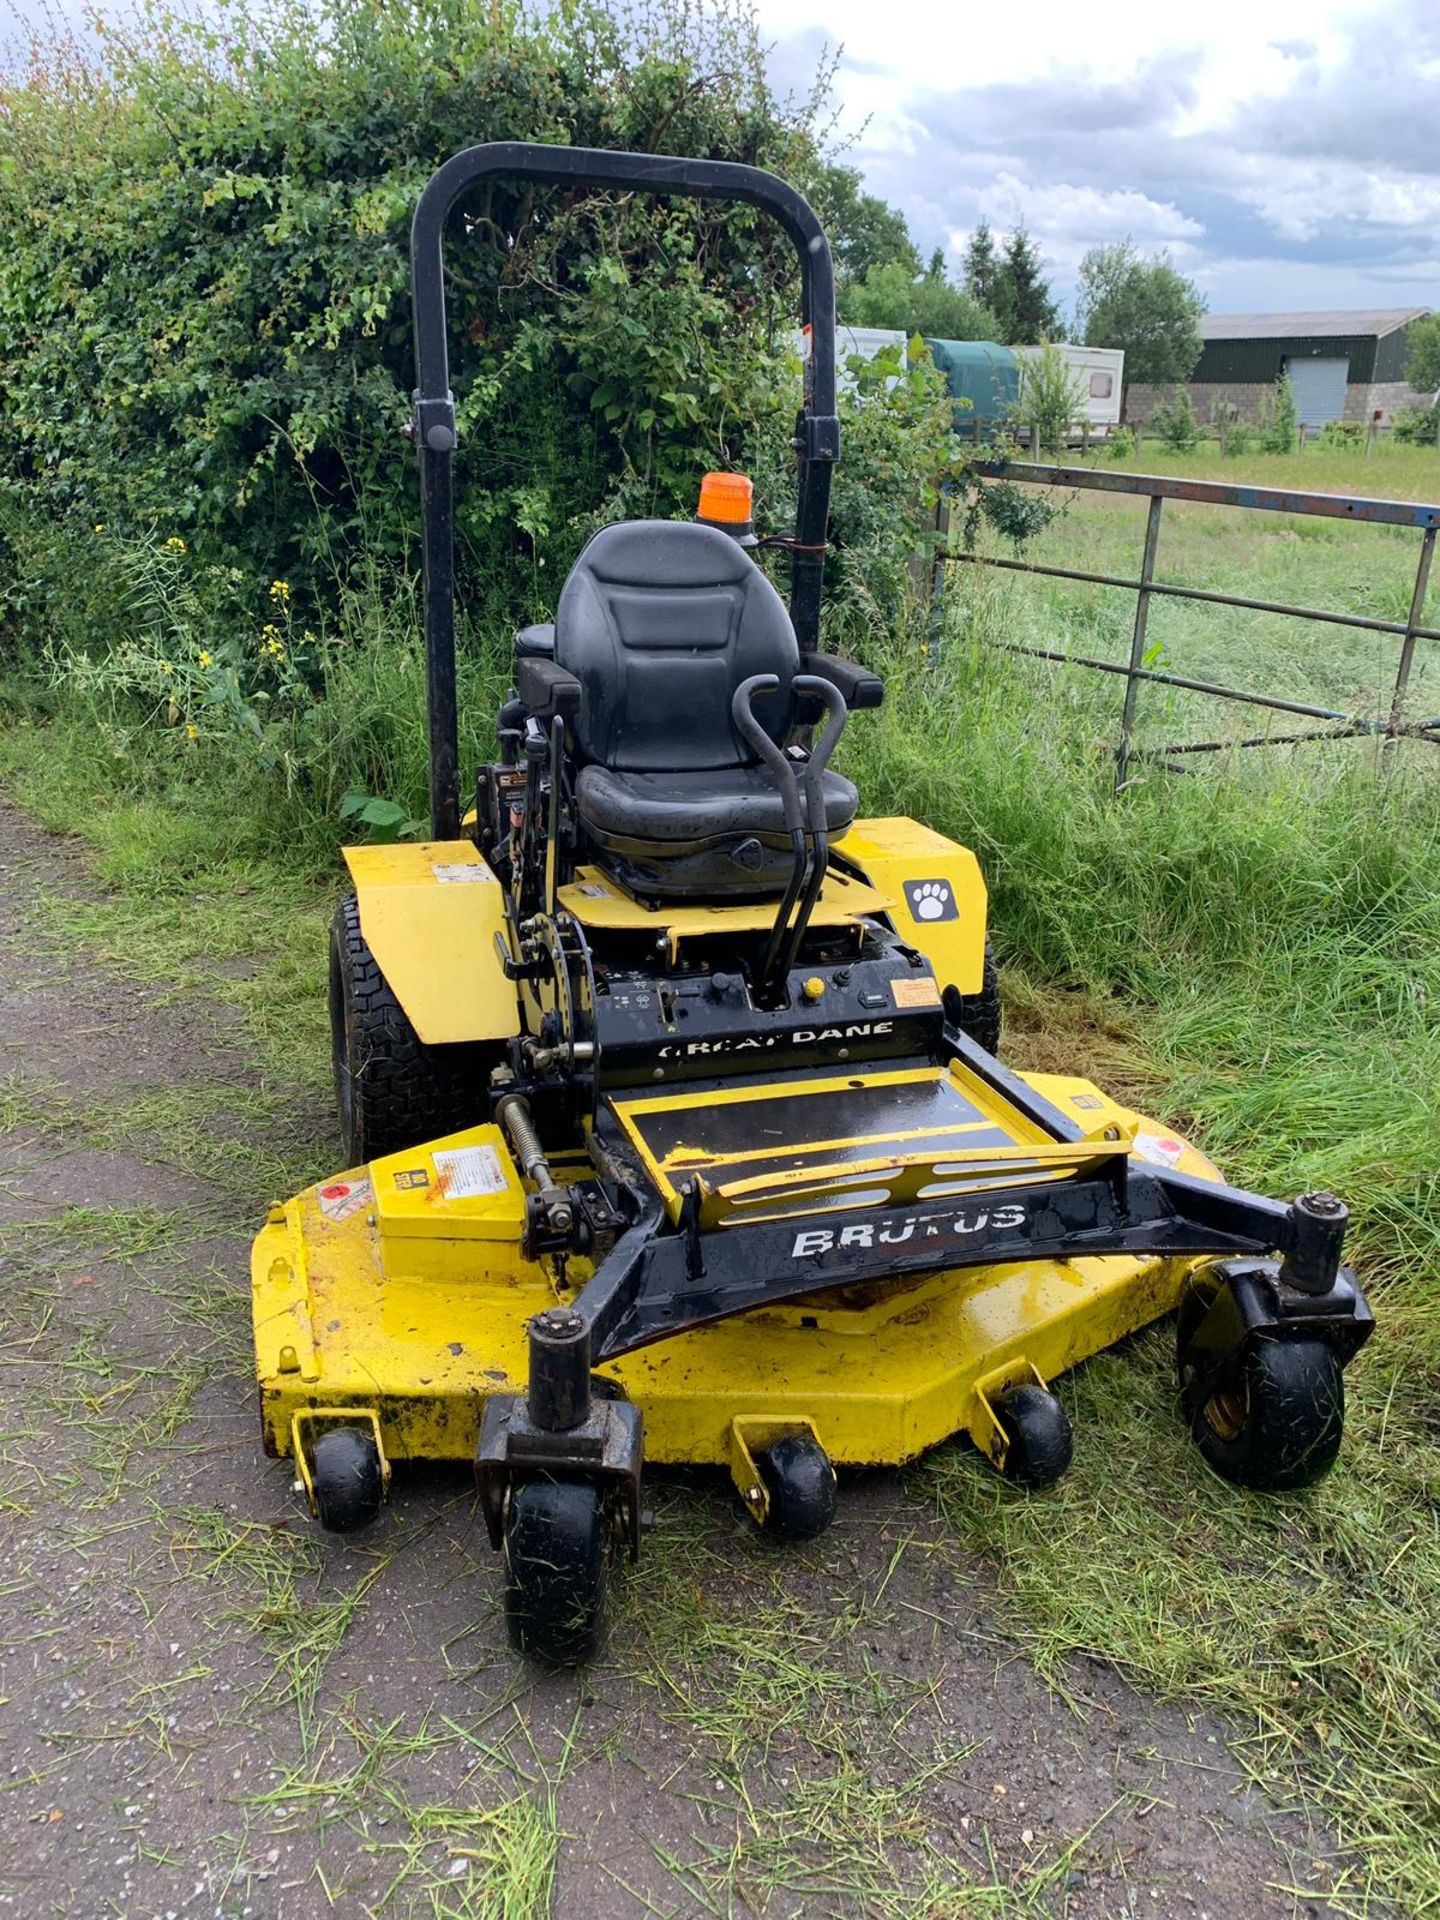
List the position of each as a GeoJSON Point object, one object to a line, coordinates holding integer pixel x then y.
{"type": "Point", "coordinates": [1255, 140]}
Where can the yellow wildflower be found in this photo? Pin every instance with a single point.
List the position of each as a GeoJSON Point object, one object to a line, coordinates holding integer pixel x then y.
{"type": "Point", "coordinates": [99, 526]}
{"type": "Point", "coordinates": [192, 732]}
{"type": "Point", "coordinates": [279, 591]}
{"type": "Point", "coordinates": [206, 659]}
{"type": "Point", "coordinates": [175, 544]}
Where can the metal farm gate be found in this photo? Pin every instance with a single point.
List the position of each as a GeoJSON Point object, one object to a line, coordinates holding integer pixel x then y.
{"type": "Point", "coordinates": [1397, 724]}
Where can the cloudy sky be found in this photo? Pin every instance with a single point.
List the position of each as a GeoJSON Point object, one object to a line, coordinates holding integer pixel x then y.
{"type": "Point", "coordinates": [1286, 152]}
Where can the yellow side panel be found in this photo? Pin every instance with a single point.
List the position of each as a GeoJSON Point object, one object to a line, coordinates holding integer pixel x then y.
{"type": "Point", "coordinates": [430, 912]}
{"type": "Point", "coordinates": [937, 890]}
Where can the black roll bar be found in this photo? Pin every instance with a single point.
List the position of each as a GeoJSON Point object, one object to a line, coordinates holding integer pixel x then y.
{"type": "Point", "coordinates": [433, 425]}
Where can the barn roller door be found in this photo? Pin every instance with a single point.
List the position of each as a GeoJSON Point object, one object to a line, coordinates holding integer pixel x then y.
{"type": "Point", "coordinates": [1319, 389]}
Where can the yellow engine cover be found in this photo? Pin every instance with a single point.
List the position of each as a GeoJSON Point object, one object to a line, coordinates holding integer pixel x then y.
{"type": "Point", "coordinates": [935, 890]}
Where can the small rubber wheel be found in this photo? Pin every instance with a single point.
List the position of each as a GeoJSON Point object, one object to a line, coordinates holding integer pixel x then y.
{"type": "Point", "coordinates": [800, 1481]}
{"type": "Point", "coordinates": [1276, 1419]}
{"type": "Point", "coordinates": [557, 1535]}
{"type": "Point", "coordinates": [977, 1015]}
{"type": "Point", "coordinates": [345, 1473]}
{"type": "Point", "coordinates": [1041, 1440]}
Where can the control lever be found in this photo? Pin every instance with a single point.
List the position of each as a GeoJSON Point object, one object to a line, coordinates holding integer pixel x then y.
{"type": "Point", "coordinates": [743, 712]}
{"type": "Point", "coordinates": [836, 714]}
{"type": "Point", "coordinates": [804, 820]}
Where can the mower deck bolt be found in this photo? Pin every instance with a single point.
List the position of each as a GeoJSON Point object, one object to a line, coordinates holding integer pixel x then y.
{"type": "Point", "coordinates": [1324, 1204]}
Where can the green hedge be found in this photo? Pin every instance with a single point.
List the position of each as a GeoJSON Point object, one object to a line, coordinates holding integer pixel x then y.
{"type": "Point", "coordinates": [204, 314]}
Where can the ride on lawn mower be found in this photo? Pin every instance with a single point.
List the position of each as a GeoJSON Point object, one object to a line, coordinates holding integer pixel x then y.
{"type": "Point", "coordinates": [671, 1112]}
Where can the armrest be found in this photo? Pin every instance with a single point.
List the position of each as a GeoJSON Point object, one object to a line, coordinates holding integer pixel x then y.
{"type": "Point", "coordinates": [859, 688]}
{"type": "Point", "coordinates": [546, 689]}
{"type": "Point", "coordinates": [535, 642]}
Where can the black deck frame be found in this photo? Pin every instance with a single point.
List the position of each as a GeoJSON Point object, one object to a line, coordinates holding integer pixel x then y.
{"type": "Point", "coordinates": [433, 423]}
{"type": "Point", "coordinates": [654, 1284]}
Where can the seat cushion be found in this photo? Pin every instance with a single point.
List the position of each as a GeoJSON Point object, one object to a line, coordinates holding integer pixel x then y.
{"type": "Point", "coordinates": [681, 810]}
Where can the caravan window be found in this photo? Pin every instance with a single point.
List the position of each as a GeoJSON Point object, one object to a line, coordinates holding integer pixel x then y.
{"type": "Point", "coordinates": [1102, 385]}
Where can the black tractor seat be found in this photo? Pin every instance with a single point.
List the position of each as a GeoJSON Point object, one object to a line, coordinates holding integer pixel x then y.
{"type": "Point", "coordinates": [658, 624]}
{"type": "Point", "coordinates": [678, 809]}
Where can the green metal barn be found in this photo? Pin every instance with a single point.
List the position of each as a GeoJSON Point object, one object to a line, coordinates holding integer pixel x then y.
{"type": "Point", "coordinates": [1348, 365]}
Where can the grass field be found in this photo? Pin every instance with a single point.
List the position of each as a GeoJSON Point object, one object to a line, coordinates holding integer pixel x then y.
{"type": "Point", "coordinates": [1254, 952]}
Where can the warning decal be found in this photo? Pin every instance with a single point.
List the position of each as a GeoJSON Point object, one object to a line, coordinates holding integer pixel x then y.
{"type": "Point", "coordinates": [1161, 1149]}
{"type": "Point", "coordinates": [405, 1177]}
{"type": "Point", "coordinates": [340, 1198]}
{"type": "Point", "coordinates": [918, 991]}
{"type": "Point", "coordinates": [469, 1173]}
{"type": "Point", "coordinates": [459, 872]}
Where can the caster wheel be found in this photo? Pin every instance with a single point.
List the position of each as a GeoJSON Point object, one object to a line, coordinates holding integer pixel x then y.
{"type": "Point", "coordinates": [345, 1473]}
{"type": "Point", "coordinates": [1041, 1442]}
{"type": "Point", "coordinates": [800, 1481]}
{"type": "Point", "coordinates": [556, 1536]}
{"type": "Point", "coordinates": [1276, 1417]}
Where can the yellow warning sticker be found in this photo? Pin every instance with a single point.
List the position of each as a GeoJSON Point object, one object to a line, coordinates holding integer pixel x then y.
{"type": "Point", "coordinates": [412, 1177]}
{"type": "Point", "coordinates": [917, 991]}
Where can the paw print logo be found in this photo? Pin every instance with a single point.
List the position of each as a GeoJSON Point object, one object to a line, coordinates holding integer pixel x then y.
{"type": "Point", "coordinates": [931, 900]}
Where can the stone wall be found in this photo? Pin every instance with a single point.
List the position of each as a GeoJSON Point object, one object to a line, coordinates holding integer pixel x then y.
{"type": "Point", "coordinates": [1361, 399]}
{"type": "Point", "coordinates": [1385, 397]}
{"type": "Point", "coordinates": [1141, 401]}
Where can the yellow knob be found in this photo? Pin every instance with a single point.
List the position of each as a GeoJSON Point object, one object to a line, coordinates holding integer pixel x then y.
{"type": "Point", "coordinates": [813, 987]}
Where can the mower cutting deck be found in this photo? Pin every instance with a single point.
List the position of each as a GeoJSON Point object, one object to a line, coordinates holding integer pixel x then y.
{"type": "Point", "coordinates": [669, 1087]}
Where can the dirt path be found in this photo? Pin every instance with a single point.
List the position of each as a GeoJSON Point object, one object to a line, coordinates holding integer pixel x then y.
{"type": "Point", "coordinates": [208, 1709]}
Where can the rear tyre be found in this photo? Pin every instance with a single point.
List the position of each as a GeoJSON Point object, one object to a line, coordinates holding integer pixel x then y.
{"type": "Point", "coordinates": [557, 1534]}
{"type": "Point", "coordinates": [800, 1481]}
{"type": "Point", "coordinates": [391, 1090]}
{"type": "Point", "coordinates": [1041, 1440]}
{"type": "Point", "coordinates": [977, 1015]}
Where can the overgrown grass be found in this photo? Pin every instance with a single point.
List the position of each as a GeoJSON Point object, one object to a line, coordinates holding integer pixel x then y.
{"type": "Point", "coordinates": [1270, 939]}
{"type": "Point", "coordinates": [1256, 951]}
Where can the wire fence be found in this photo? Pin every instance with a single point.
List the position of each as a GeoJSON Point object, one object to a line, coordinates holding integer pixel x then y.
{"type": "Point", "coordinates": [1397, 723]}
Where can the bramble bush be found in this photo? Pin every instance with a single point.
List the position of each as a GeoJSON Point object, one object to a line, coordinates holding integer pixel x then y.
{"type": "Point", "coordinates": [206, 351]}
{"type": "Point", "coordinates": [204, 311]}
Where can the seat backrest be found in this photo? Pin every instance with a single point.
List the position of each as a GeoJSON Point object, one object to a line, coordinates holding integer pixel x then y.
{"type": "Point", "coordinates": [660, 621]}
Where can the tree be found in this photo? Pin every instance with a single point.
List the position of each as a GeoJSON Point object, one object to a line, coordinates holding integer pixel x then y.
{"type": "Point", "coordinates": [982, 268]}
{"type": "Point", "coordinates": [220, 345]}
{"type": "Point", "coordinates": [1422, 363]}
{"type": "Point", "coordinates": [1022, 298]}
{"type": "Point", "coordinates": [1176, 424]}
{"type": "Point", "coordinates": [1279, 418]}
{"type": "Point", "coordinates": [1144, 306]}
{"type": "Point", "coordinates": [1051, 398]}
{"type": "Point", "coordinates": [864, 231]}
{"type": "Point", "coordinates": [930, 304]}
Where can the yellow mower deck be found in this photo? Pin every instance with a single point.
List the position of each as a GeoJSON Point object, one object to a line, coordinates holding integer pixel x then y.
{"type": "Point", "coordinates": [400, 1290]}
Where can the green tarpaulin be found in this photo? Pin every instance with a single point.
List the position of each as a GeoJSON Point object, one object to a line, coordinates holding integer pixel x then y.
{"type": "Point", "coordinates": [986, 375]}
